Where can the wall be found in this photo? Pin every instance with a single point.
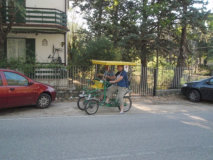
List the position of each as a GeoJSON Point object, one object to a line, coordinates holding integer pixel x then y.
{"type": "Point", "coordinates": [56, 4]}
{"type": "Point", "coordinates": [42, 52]}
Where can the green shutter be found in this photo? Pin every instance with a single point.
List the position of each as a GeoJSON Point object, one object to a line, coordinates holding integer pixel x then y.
{"type": "Point", "coordinates": [30, 50]}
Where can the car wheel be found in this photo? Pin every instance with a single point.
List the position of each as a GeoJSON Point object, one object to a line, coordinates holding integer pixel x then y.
{"type": "Point", "coordinates": [44, 100]}
{"type": "Point", "coordinates": [194, 96]}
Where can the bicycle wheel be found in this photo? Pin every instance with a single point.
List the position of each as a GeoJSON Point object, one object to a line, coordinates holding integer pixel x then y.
{"type": "Point", "coordinates": [127, 104]}
{"type": "Point", "coordinates": [81, 103]}
{"type": "Point", "coordinates": [91, 106]}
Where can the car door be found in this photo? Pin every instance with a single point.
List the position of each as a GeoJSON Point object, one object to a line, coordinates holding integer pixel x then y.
{"type": "Point", "coordinates": [3, 93]}
{"type": "Point", "coordinates": [20, 93]}
{"type": "Point", "coordinates": [207, 90]}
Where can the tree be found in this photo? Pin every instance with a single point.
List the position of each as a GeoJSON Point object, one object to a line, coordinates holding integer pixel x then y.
{"type": "Point", "coordinates": [8, 16]}
{"type": "Point", "coordinates": [94, 13]}
{"type": "Point", "coordinates": [148, 29]}
{"type": "Point", "coordinates": [187, 16]}
{"type": "Point", "coordinates": [210, 39]}
{"type": "Point", "coordinates": [100, 48]}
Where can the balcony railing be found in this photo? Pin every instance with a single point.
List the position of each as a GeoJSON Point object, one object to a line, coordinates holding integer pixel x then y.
{"type": "Point", "coordinates": [31, 15]}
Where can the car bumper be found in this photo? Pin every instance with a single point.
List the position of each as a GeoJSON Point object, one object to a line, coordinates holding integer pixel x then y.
{"type": "Point", "coordinates": [53, 94]}
{"type": "Point", "coordinates": [185, 90]}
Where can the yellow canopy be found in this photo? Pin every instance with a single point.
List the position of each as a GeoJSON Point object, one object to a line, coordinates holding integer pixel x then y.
{"type": "Point", "coordinates": [113, 63]}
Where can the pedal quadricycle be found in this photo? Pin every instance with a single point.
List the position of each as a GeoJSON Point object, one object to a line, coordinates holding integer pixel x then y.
{"type": "Point", "coordinates": [95, 96]}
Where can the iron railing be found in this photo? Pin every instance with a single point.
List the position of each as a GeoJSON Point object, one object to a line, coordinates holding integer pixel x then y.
{"type": "Point", "coordinates": [144, 81]}
{"type": "Point", "coordinates": [30, 15]}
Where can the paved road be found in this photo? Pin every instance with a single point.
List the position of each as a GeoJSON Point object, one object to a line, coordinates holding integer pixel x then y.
{"type": "Point", "coordinates": [143, 136]}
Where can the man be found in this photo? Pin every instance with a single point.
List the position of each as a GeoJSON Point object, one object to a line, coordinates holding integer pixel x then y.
{"type": "Point", "coordinates": [108, 74]}
{"type": "Point", "coordinates": [120, 86]}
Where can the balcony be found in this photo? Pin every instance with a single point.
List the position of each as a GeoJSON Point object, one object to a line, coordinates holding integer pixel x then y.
{"type": "Point", "coordinates": [40, 18]}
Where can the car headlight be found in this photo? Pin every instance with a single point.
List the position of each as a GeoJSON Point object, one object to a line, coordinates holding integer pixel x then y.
{"type": "Point", "coordinates": [185, 85]}
{"type": "Point", "coordinates": [51, 89]}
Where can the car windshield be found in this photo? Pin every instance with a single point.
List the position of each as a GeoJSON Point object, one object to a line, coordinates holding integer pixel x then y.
{"type": "Point", "coordinates": [200, 80]}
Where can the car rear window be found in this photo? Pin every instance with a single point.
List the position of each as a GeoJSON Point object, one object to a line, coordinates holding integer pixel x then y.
{"type": "Point", "coordinates": [1, 83]}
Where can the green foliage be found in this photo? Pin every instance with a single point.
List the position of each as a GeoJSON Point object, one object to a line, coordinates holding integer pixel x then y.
{"type": "Point", "coordinates": [144, 29]}
{"type": "Point", "coordinates": [100, 49]}
{"type": "Point", "coordinates": [25, 67]}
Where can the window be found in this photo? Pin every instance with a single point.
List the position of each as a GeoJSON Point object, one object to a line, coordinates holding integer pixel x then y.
{"type": "Point", "coordinates": [44, 42]}
{"type": "Point", "coordinates": [211, 81]}
{"type": "Point", "coordinates": [1, 83]}
{"type": "Point", "coordinates": [14, 79]}
{"type": "Point", "coordinates": [16, 49]}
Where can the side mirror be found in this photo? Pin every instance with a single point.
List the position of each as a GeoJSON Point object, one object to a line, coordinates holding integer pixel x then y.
{"type": "Point", "coordinates": [30, 83]}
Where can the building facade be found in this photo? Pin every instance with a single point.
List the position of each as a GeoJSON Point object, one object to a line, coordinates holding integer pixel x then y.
{"type": "Point", "coordinates": [39, 30]}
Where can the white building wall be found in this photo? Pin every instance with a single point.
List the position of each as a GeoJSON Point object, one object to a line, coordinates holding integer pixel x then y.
{"type": "Point", "coordinates": [42, 52]}
{"type": "Point", "coordinates": [56, 4]}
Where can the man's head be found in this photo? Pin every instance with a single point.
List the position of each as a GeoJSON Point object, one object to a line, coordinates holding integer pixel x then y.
{"type": "Point", "coordinates": [120, 68]}
{"type": "Point", "coordinates": [107, 68]}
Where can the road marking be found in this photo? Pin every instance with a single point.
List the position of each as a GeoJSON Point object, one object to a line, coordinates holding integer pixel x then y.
{"type": "Point", "coordinates": [115, 156]}
{"type": "Point", "coordinates": [67, 116]}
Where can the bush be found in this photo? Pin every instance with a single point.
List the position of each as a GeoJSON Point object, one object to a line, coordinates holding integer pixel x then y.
{"type": "Point", "coordinates": [27, 68]}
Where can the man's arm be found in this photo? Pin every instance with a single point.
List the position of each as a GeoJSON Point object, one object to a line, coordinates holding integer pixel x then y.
{"type": "Point", "coordinates": [111, 77]}
{"type": "Point", "coordinates": [117, 80]}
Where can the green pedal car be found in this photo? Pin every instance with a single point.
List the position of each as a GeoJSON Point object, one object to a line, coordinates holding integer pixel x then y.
{"type": "Point", "coordinates": [93, 97]}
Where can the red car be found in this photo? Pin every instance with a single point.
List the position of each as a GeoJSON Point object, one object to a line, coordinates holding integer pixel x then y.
{"type": "Point", "coordinates": [18, 90]}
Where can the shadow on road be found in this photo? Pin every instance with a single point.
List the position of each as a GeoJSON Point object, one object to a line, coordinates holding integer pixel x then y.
{"type": "Point", "coordinates": [16, 110]}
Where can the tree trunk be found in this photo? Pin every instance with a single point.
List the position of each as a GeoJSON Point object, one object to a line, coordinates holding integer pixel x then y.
{"type": "Point", "coordinates": [115, 25]}
{"type": "Point", "coordinates": [1, 31]}
{"type": "Point", "coordinates": [100, 12]}
{"type": "Point", "coordinates": [143, 49]}
{"type": "Point", "coordinates": [2, 48]}
{"type": "Point", "coordinates": [5, 28]}
{"type": "Point", "coordinates": [143, 79]}
{"type": "Point", "coordinates": [178, 72]}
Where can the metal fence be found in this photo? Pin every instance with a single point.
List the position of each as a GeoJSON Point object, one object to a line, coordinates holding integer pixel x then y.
{"type": "Point", "coordinates": [32, 15]}
{"type": "Point", "coordinates": [144, 81]}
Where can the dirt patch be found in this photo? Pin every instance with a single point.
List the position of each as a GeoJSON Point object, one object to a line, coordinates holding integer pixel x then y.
{"type": "Point", "coordinates": [157, 100]}
{"type": "Point", "coordinates": [148, 104]}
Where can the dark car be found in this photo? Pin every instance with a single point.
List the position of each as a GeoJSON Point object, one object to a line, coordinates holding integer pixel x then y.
{"type": "Point", "coordinates": [18, 90]}
{"type": "Point", "coordinates": [199, 90]}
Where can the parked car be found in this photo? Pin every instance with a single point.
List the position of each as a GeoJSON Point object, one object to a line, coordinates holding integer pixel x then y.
{"type": "Point", "coordinates": [18, 90]}
{"type": "Point", "coordinates": [199, 90]}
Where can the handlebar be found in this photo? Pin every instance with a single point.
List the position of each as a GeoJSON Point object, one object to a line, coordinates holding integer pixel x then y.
{"type": "Point", "coordinates": [107, 83]}
{"type": "Point", "coordinates": [104, 83]}
{"type": "Point", "coordinates": [96, 78]}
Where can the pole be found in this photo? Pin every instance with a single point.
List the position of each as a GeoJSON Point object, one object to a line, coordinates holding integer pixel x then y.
{"type": "Point", "coordinates": [155, 82]}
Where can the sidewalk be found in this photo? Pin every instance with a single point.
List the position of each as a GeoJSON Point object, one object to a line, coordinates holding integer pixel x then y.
{"type": "Point", "coordinates": [152, 105]}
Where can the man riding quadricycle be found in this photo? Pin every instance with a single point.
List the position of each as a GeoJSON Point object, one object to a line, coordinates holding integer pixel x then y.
{"type": "Point", "coordinates": [111, 91]}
